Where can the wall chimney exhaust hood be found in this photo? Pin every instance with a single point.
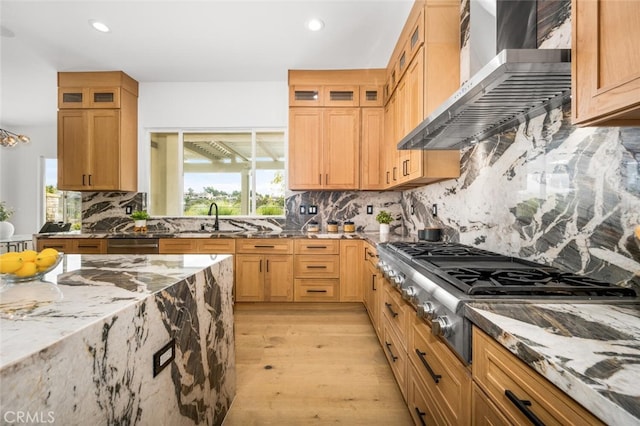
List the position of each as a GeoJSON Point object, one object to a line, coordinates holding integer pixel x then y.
{"type": "Point", "coordinates": [519, 83]}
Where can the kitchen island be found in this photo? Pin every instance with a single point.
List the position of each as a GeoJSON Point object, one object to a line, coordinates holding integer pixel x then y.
{"type": "Point", "coordinates": [112, 339]}
{"type": "Point", "coordinates": [590, 351]}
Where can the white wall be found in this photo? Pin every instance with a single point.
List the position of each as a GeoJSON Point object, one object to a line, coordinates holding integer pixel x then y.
{"type": "Point", "coordinates": [160, 106]}
{"type": "Point", "coordinates": [207, 105]}
{"type": "Point", "coordinates": [20, 177]}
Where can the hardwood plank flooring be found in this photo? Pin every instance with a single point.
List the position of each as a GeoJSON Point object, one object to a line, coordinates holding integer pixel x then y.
{"type": "Point", "coordinates": [311, 364]}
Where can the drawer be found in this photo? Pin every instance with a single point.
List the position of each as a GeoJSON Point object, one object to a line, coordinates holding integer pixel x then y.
{"type": "Point", "coordinates": [177, 245]}
{"type": "Point", "coordinates": [309, 266]}
{"type": "Point", "coordinates": [63, 244]}
{"type": "Point", "coordinates": [420, 402]}
{"type": "Point", "coordinates": [89, 246]}
{"type": "Point", "coordinates": [216, 245]}
{"type": "Point", "coordinates": [314, 246]}
{"type": "Point", "coordinates": [394, 350]}
{"type": "Point", "coordinates": [316, 290]}
{"type": "Point", "coordinates": [443, 374]}
{"type": "Point", "coordinates": [396, 310]}
{"type": "Point", "coordinates": [265, 246]}
{"type": "Point", "coordinates": [501, 374]}
{"type": "Point", "coordinates": [484, 411]}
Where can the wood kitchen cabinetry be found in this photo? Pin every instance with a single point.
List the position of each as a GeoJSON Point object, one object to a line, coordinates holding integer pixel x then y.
{"type": "Point", "coordinates": [419, 79]}
{"type": "Point", "coordinates": [197, 246]}
{"type": "Point", "coordinates": [350, 271]}
{"type": "Point", "coordinates": [372, 285]}
{"type": "Point", "coordinates": [395, 320]}
{"type": "Point", "coordinates": [441, 377]}
{"type": "Point", "coordinates": [264, 270]}
{"type": "Point", "coordinates": [507, 388]}
{"type": "Point", "coordinates": [97, 131]}
{"type": "Point", "coordinates": [325, 128]}
{"type": "Point", "coordinates": [324, 148]}
{"type": "Point", "coordinates": [74, 245]}
{"type": "Point", "coordinates": [317, 270]}
{"type": "Point", "coordinates": [605, 63]}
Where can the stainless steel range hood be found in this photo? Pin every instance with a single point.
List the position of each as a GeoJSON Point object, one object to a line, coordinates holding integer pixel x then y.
{"type": "Point", "coordinates": [517, 84]}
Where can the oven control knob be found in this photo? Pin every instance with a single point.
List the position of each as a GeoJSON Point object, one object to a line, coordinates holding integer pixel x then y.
{"type": "Point", "coordinates": [399, 279]}
{"type": "Point", "coordinates": [408, 293]}
{"type": "Point", "coordinates": [381, 265]}
{"type": "Point", "coordinates": [426, 310]}
{"type": "Point", "coordinates": [390, 273]}
{"type": "Point", "coordinates": [441, 327]}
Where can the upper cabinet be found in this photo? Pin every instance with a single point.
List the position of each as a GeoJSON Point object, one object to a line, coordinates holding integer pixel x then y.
{"type": "Point", "coordinates": [422, 73]}
{"type": "Point", "coordinates": [606, 62]}
{"type": "Point", "coordinates": [327, 123]}
{"type": "Point", "coordinates": [97, 131]}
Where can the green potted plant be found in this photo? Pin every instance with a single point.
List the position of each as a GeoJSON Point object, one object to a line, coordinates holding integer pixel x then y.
{"type": "Point", "coordinates": [384, 218]}
{"type": "Point", "coordinates": [140, 218]}
{"type": "Point", "coordinates": [6, 228]}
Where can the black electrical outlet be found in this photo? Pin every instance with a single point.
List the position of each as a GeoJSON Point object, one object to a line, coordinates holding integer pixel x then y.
{"type": "Point", "coordinates": [369, 209]}
{"type": "Point", "coordinates": [313, 209]}
{"type": "Point", "coordinates": [434, 210]}
{"type": "Point", "coordinates": [413, 211]}
{"type": "Point", "coordinates": [163, 357]}
{"type": "Point", "coordinates": [303, 209]}
{"type": "Point", "coordinates": [128, 210]}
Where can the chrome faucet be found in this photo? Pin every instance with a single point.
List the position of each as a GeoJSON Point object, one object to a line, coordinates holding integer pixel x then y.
{"type": "Point", "coordinates": [216, 225]}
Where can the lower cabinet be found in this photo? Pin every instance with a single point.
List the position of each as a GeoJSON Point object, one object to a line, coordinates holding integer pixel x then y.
{"type": "Point", "coordinates": [197, 245]}
{"type": "Point", "coordinates": [508, 389]}
{"type": "Point", "coordinates": [74, 245]}
{"type": "Point", "coordinates": [264, 270]}
{"type": "Point", "coordinates": [446, 379]}
{"type": "Point", "coordinates": [371, 285]}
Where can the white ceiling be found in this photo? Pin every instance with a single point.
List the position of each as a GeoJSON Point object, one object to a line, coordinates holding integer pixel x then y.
{"type": "Point", "coordinates": [184, 41]}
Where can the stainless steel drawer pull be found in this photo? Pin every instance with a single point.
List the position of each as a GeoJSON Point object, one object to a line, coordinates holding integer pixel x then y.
{"type": "Point", "coordinates": [389, 305]}
{"type": "Point", "coordinates": [436, 377]}
{"type": "Point", "coordinates": [393, 357]}
{"type": "Point", "coordinates": [523, 405]}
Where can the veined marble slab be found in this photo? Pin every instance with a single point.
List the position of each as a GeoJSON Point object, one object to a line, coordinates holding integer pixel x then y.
{"type": "Point", "coordinates": [78, 347]}
{"type": "Point", "coordinates": [590, 351]}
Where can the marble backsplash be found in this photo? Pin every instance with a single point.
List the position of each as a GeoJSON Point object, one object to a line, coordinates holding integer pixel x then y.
{"type": "Point", "coordinates": [105, 212]}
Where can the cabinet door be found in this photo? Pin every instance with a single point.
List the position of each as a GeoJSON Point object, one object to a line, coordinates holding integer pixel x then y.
{"type": "Point", "coordinates": [249, 278]}
{"type": "Point", "coordinates": [305, 96]}
{"type": "Point", "coordinates": [350, 271]}
{"type": "Point", "coordinates": [278, 279]}
{"type": "Point", "coordinates": [72, 97]}
{"type": "Point", "coordinates": [104, 134]}
{"type": "Point", "coordinates": [341, 144]}
{"type": "Point", "coordinates": [414, 114]}
{"type": "Point", "coordinates": [177, 245]}
{"type": "Point", "coordinates": [341, 96]}
{"type": "Point", "coordinates": [104, 97]}
{"type": "Point", "coordinates": [371, 96]}
{"type": "Point", "coordinates": [389, 142]}
{"type": "Point", "coordinates": [305, 148]}
{"type": "Point", "coordinates": [606, 62]}
{"type": "Point", "coordinates": [73, 150]}
{"type": "Point", "coordinates": [373, 165]}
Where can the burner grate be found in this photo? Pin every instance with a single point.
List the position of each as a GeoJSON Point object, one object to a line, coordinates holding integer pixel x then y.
{"type": "Point", "coordinates": [531, 282]}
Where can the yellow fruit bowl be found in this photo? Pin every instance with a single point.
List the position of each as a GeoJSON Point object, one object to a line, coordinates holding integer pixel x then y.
{"type": "Point", "coordinates": [29, 275]}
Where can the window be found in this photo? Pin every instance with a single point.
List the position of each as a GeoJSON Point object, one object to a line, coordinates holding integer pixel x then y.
{"type": "Point", "coordinates": [60, 206]}
{"type": "Point", "coordinates": [241, 171]}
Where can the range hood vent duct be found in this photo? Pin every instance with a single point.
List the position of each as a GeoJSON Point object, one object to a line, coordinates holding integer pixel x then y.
{"type": "Point", "coordinates": [519, 83]}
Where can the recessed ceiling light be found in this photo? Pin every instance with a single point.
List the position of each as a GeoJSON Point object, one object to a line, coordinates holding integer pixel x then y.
{"type": "Point", "coordinates": [99, 26]}
{"type": "Point", "coordinates": [315, 24]}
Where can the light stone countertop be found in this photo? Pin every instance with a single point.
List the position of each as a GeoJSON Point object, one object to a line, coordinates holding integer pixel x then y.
{"type": "Point", "coordinates": [82, 290]}
{"type": "Point", "coordinates": [590, 351]}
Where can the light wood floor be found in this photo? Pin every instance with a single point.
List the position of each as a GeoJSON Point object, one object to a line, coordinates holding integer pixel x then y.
{"type": "Point", "coordinates": [311, 364]}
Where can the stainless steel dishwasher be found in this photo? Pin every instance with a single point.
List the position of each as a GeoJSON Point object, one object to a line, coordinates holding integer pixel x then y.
{"type": "Point", "coordinates": [132, 246]}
